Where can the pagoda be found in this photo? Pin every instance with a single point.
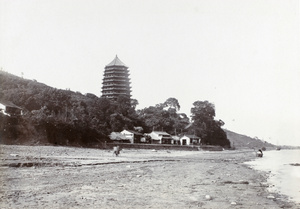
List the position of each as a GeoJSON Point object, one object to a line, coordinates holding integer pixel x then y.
{"type": "Point", "coordinates": [116, 80]}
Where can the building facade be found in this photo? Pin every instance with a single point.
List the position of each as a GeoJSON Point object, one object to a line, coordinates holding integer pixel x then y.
{"type": "Point", "coordinates": [160, 137]}
{"type": "Point", "coordinates": [133, 136]}
{"type": "Point", "coordinates": [190, 140]}
{"type": "Point", "coordinates": [116, 80]}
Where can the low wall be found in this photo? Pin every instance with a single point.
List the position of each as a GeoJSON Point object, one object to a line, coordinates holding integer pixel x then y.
{"type": "Point", "coordinates": [152, 146]}
{"type": "Point", "coordinates": [164, 147]}
{"type": "Point", "coordinates": [211, 148]}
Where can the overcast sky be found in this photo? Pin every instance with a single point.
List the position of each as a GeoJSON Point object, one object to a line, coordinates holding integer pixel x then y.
{"type": "Point", "coordinates": [243, 56]}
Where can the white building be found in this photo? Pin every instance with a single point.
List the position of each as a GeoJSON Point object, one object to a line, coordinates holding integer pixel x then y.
{"type": "Point", "coordinates": [132, 136]}
{"type": "Point", "coordinates": [160, 137]}
{"type": "Point", "coordinates": [190, 140]}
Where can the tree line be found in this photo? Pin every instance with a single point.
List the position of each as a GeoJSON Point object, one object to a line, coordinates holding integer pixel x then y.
{"type": "Point", "coordinates": [66, 117]}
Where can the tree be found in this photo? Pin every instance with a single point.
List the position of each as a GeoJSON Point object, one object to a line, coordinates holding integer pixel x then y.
{"type": "Point", "coordinates": [181, 121]}
{"type": "Point", "coordinates": [203, 111]}
{"type": "Point", "coordinates": [123, 114]}
{"type": "Point", "coordinates": [205, 126]}
{"type": "Point", "coordinates": [159, 118]}
{"type": "Point", "coordinates": [117, 122]}
{"type": "Point", "coordinates": [123, 105]}
{"type": "Point", "coordinates": [172, 103]}
{"type": "Point", "coordinates": [134, 103]}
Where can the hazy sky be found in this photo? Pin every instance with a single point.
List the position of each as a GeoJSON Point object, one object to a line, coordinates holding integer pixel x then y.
{"type": "Point", "coordinates": [243, 56]}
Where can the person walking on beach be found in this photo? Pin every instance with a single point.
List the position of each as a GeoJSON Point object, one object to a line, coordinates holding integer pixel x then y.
{"type": "Point", "coordinates": [116, 151]}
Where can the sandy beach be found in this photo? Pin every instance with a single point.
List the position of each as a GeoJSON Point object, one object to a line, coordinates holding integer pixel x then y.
{"type": "Point", "coordinates": [64, 177]}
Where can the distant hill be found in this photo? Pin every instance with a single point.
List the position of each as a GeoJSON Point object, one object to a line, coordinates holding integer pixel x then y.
{"type": "Point", "coordinates": [242, 141]}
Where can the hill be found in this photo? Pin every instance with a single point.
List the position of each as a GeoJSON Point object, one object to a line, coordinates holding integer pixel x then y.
{"type": "Point", "coordinates": [64, 117]}
{"type": "Point", "coordinates": [52, 115]}
{"type": "Point", "coordinates": [242, 141]}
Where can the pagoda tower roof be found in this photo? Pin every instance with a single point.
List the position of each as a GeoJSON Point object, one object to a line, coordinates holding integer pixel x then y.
{"type": "Point", "coordinates": [116, 62]}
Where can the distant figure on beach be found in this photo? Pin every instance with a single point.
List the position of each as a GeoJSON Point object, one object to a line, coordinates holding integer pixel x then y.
{"type": "Point", "coordinates": [259, 153]}
{"type": "Point", "coordinates": [116, 150]}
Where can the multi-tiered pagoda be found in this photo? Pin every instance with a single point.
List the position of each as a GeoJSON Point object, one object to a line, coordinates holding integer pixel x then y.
{"type": "Point", "coordinates": [116, 80]}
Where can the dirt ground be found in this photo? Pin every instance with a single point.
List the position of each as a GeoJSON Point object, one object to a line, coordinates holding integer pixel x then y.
{"type": "Point", "coordinates": [64, 177]}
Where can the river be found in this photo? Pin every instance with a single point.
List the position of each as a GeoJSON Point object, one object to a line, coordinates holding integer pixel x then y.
{"type": "Point", "coordinates": [284, 169]}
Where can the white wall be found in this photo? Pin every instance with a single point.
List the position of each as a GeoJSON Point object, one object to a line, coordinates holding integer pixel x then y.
{"type": "Point", "coordinates": [128, 135]}
{"type": "Point", "coordinates": [188, 140]}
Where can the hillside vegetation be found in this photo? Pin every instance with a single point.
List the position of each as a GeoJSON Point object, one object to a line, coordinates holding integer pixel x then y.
{"type": "Point", "coordinates": [64, 117]}
{"type": "Point", "coordinates": [242, 141]}
{"type": "Point", "coordinates": [52, 115]}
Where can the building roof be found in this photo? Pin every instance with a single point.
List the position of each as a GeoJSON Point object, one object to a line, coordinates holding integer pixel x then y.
{"type": "Point", "coordinates": [192, 136]}
{"type": "Point", "coordinates": [161, 132]}
{"type": "Point", "coordinates": [117, 136]}
{"type": "Point", "coordinates": [133, 132]}
{"type": "Point", "coordinates": [116, 62]}
{"type": "Point", "coordinates": [176, 138]}
{"type": "Point", "coordinates": [9, 104]}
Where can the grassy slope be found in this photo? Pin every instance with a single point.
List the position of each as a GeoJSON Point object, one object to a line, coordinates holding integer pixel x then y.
{"type": "Point", "coordinates": [242, 141]}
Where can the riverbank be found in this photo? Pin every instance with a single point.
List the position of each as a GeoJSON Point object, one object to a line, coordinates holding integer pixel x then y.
{"type": "Point", "coordinates": [64, 177]}
{"type": "Point", "coordinates": [284, 169]}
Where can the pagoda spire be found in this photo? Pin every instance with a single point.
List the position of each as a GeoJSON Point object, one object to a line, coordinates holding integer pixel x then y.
{"type": "Point", "coordinates": [116, 62]}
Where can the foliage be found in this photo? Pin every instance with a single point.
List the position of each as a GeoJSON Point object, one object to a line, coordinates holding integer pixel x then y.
{"type": "Point", "coordinates": [205, 126]}
{"type": "Point", "coordinates": [66, 117]}
{"type": "Point", "coordinates": [164, 117]}
{"type": "Point", "coordinates": [172, 103]}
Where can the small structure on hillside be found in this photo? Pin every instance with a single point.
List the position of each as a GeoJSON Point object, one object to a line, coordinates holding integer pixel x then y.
{"type": "Point", "coordinates": [10, 109]}
{"type": "Point", "coordinates": [190, 140]}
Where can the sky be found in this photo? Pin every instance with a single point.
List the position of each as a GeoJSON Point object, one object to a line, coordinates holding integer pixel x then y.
{"type": "Point", "coordinates": [242, 56]}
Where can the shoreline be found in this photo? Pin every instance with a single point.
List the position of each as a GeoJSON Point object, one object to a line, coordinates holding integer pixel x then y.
{"type": "Point", "coordinates": [68, 177]}
{"type": "Point", "coordinates": [283, 175]}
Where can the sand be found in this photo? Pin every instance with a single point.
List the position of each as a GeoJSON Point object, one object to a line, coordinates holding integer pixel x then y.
{"type": "Point", "coordinates": [64, 177]}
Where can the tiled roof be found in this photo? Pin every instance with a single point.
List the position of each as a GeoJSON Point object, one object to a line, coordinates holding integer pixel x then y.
{"type": "Point", "coordinates": [116, 62]}
{"type": "Point", "coordinates": [9, 104]}
{"type": "Point", "coordinates": [161, 132]}
{"type": "Point", "coordinates": [135, 132]}
{"type": "Point", "coordinates": [193, 136]}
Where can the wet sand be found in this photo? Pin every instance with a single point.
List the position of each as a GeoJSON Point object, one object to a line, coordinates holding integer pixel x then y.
{"type": "Point", "coordinates": [63, 177]}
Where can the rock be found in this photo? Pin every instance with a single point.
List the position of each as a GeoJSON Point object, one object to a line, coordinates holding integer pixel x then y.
{"type": "Point", "coordinates": [236, 182]}
{"type": "Point", "coordinates": [138, 176]}
{"type": "Point", "coordinates": [207, 197]}
{"type": "Point", "coordinates": [128, 166]}
{"type": "Point", "coordinates": [243, 182]}
{"type": "Point", "coordinates": [270, 197]}
{"type": "Point", "coordinates": [14, 155]}
{"type": "Point", "coordinates": [233, 203]}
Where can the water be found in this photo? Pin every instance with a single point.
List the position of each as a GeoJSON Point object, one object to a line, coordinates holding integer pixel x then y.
{"type": "Point", "coordinates": [284, 178]}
